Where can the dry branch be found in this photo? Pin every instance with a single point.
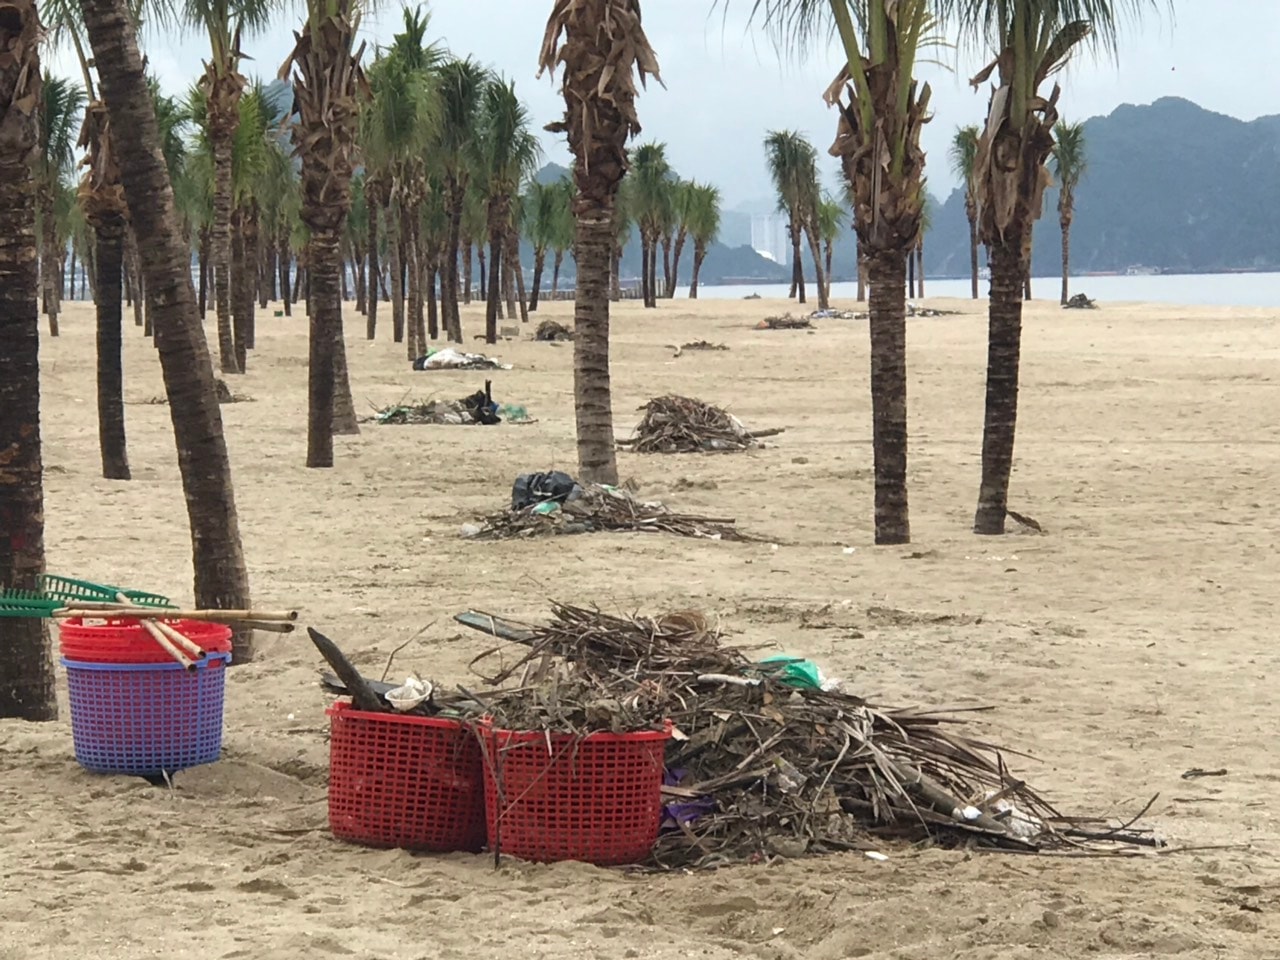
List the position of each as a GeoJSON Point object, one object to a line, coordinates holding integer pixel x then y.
{"type": "Point", "coordinates": [674, 424]}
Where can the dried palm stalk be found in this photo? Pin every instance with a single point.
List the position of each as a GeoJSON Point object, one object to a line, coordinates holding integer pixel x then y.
{"type": "Point", "coordinates": [674, 424]}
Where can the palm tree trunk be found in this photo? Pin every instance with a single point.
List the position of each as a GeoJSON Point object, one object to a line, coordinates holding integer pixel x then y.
{"type": "Point", "coordinates": [829, 250]}
{"type": "Point", "coordinates": [344, 409]}
{"type": "Point", "coordinates": [911, 276]}
{"type": "Point", "coordinates": [555, 274]}
{"type": "Point", "coordinates": [111, 438]}
{"type": "Point", "coordinates": [466, 271]}
{"type": "Point", "coordinates": [645, 256]}
{"type": "Point", "coordinates": [508, 279]}
{"type": "Point", "coordinates": [1065, 223]}
{"type": "Point", "coordinates": [397, 275]}
{"type": "Point", "coordinates": [675, 264]}
{"type": "Point", "coordinates": [325, 301]}
{"type": "Point", "coordinates": [1004, 342]}
{"type": "Point", "coordinates": [888, 325]}
{"type": "Point", "coordinates": [222, 252]}
{"type": "Point", "coordinates": [357, 269]}
{"type": "Point", "coordinates": [593, 399]}
{"type": "Point", "coordinates": [221, 580]}
{"type": "Point", "coordinates": [668, 277]}
{"type": "Point", "coordinates": [413, 322]}
{"type": "Point", "coordinates": [494, 298]}
{"type": "Point", "coordinates": [455, 195]}
{"type": "Point", "coordinates": [284, 258]}
{"type": "Point", "coordinates": [513, 258]}
{"type": "Point", "coordinates": [71, 274]}
{"type": "Point", "coordinates": [483, 292]}
{"type": "Point", "coordinates": [539, 262]}
{"type": "Point", "coordinates": [433, 317]}
{"type": "Point", "coordinates": [699, 254]}
{"type": "Point", "coordinates": [239, 283]}
{"type": "Point", "coordinates": [820, 278]}
{"type": "Point", "coordinates": [48, 270]}
{"type": "Point", "coordinates": [920, 269]}
{"type": "Point", "coordinates": [973, 253]}
{"type": "Point", "coordinates": [371, 284]}
{"type": "Point", "coordinates": [202, 256]}
{"type": "Point", "coordinates": [1026, 284]}
{"type": "Point", "coordinates": [27, 676]}
{"type": "Point", "coordinates": [135, 279]}
{"type": "Point", "coordinates": [424, 291]}
{"type": "Point", "coordinates": [797, 269]}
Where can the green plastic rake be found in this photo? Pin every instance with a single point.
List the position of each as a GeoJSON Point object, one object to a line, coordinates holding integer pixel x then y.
{"type": "Point", "coordinates": [57, 592]}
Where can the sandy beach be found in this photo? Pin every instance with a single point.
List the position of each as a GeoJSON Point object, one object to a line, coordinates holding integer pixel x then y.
{"type": "Point", "coordinates": [1129, 644]}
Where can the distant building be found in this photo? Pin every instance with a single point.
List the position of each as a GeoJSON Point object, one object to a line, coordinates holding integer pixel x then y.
{"type": "Point", "coordinates": [769, 237]}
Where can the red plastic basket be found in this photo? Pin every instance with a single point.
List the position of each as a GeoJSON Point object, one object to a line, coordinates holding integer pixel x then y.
{"type": "Point", "coordinates": [596, 799]}
{"type": "Point", "coordinates": [127, 641]}
{"type": "Point", "coordinates": [404, 781]}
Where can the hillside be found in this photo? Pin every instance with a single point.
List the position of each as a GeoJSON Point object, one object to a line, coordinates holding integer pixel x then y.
{"type": "Point", "coordinates": [1169, 185]}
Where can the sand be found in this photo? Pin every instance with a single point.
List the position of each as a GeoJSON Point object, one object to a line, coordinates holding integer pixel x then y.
{"type": "Point", "coordinates": [1134, 641]}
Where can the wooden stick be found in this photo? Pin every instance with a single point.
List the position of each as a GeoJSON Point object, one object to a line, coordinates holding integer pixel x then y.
{"type": "Point", "coordinates": [81, 608]}
{"type": "Point", "coordinates": [170, 640]}
{"type": "Point", "coordinates": [185, 643]}
{"type": "Point", "coordinates": [362, 694]}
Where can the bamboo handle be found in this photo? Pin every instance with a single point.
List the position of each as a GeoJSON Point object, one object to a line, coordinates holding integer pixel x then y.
{"type": "Point", "coordinates": [184, 643]}
{"type": "Point", "coordinates": [159, 636]}
{"type": "Point", "coordinates": [82, 608]}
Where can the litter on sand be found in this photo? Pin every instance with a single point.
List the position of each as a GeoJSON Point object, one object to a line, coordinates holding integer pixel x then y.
{"type": "Point", "coordinates": [552, 331]}
{"type": "Point", "coordinates": [696, 345]}
{"type": "Point", "coordinates": [674, 424]}
{"type": "Point", "coordinates": [553, 503]}
{"type": "Point", "coordinates": [784, 322]}
{"type": "Point", "coordinates": [478, 408]}
{"type": "Point", "coordinates": [1080, 302]}
{"type": "Point", "coordinates": [447, 358]}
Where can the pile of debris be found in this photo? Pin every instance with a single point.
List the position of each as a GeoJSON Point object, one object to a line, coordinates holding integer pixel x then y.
{"type": "Point", "coordinates": [478, 408]}
{"type": "Point", "coordinates": [785, 322]}
{"type": "Point", "coordinates": [697, 345]}
{"type": "Point", "coordinates": [830, 314]}
{"type": "Point", "coordinates": [1080, 302]}
{"type": "Point", "coordinates": [768, 759]}
{"type": "Point", "coordinates": [553, 503]}
{"type": "Point", "coordinates": [674, 424]}
{"type": "Point", "coordinates": [447, 358]}
{"type": "Point", "coordinates": [552, 331]}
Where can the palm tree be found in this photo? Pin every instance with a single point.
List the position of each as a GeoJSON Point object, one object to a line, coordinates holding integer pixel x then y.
{"type": "Point", "coordinates": [652, 201]}
{"type": "Point", "coordinates": [963, 153]}
{"type": "Point", "coordinates": [461, 84]}
{"type": "Point", "coordinates": [878, 143]}
{"type": "Point", "coordinates": [603, 43]}
{"type": "Point", "coordinates": [704, 226]}
{"type": "Point", "coordinates": [682, 199]}
{"type": "Point", "coordinates": [1032, 40]}
{"type": "Point", "coordinates": [793, 167]}
{"type": "Point", "coordinates": [26, 668]}
{"type": "Point", "coordinates": [508, 153]}
{"type": "Point", "coordinates": [221, 580]}
{"type": "Point", "coordinates": [60, 112]}
{"type": "Point", "coordinates": [224, 22]}
{"type": "Point", "coordinates": [539, 221]}
{"type": "Point", "coordinates": [832, 219]}
{"type": "Point", "coordinates": [565, 225]}
{"type": "Point", "coordinates": [328, 82]}
{"type": "Point", "coordinates": [103, 199]}
{"type": "Point", "coordinates": [1070, 160]}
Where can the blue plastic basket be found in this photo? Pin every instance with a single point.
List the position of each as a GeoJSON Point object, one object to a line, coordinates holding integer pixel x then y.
{"type": "Point", "coordinates": [146, 719]}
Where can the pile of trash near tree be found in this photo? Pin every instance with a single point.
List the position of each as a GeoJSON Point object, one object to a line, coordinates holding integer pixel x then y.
{"type": "Point", "coordinates": [784, 322]}
{"type": "Point", "coordinates": [554, 503]}
{"type": "Point", "coordinates": [1080, 302]}
{"type": "Point", "coordinates": [552, 331]}
{"type": "Point", "coordinates": [478, 408]}
{"type": "Point", "coordinates": [673, 424]}
{"type": "Point", "coordinates": [697, 345]}
{"type": "Point", "coordinates": [768, 759]}
{"type": "Point", "coordinates": [448, 358]}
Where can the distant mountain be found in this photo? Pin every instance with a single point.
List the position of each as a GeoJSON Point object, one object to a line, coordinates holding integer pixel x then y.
{"type": "Point", "coordinates": [1169, 185]}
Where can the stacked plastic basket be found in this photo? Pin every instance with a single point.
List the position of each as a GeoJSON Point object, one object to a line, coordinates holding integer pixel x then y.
{"type": "Point", "coordinates": [426, 783]}
{"type": "Point", "coordinates": [133, 709]}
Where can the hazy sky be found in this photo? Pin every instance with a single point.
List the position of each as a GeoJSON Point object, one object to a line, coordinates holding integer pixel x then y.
{"type": "Point", "coordinates": [726, 85]}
